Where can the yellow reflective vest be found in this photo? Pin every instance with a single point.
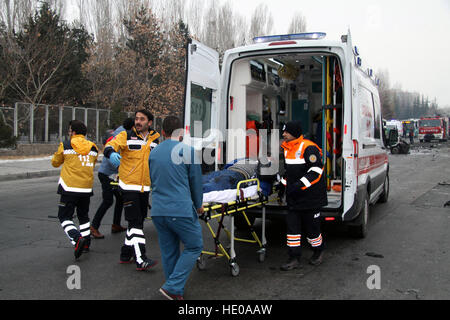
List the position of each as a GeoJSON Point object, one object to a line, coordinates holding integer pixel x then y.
{"type": "Point", "coordinates": [135, 150]}
{"type": "Point", "coordinates": [77, 157]}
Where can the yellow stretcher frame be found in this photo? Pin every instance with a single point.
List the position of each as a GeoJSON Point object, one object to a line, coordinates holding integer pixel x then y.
{"type": "Point", "coordinates": [230, 209]}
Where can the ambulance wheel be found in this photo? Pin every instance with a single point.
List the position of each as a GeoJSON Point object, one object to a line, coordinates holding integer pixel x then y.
{"type": "Point", "coordinates": [234, 269]}
{"type": "Point", "coordinates": [201, 263]}
{"type": "Point", "coordinates": [360, 230]}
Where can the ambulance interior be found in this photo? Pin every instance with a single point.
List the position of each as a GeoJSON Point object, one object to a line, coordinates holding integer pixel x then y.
{"type": "Point", "coordinates": [267, 92]}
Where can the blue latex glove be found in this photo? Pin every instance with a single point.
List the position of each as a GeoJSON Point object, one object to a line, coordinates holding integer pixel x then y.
{"type": "Point", "coordinates": [114, 158]}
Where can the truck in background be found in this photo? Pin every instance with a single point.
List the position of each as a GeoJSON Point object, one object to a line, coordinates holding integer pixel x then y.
{"type": "Point", "coordinates": [433, 128]}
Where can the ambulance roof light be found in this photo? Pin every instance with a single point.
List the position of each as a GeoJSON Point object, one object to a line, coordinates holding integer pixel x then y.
{"type": "Point", "coordinates": [295, 36]}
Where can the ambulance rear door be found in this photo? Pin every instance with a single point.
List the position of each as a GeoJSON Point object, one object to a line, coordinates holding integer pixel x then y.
{"type": "Point", "coordinates": [201, 96]}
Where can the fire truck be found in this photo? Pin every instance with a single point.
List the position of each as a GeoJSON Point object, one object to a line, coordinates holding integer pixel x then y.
{"type": "Point", "coordinates": [433, 128]}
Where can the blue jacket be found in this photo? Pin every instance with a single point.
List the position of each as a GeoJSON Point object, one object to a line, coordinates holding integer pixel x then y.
{"type": "Point", "coordinates": [176, 180]}
{"type": "Point", "coordinates": [106, 167]}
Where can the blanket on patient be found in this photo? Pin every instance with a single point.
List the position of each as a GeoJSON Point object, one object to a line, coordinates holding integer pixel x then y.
{"type": "Point", "coordinates": [229, 177]}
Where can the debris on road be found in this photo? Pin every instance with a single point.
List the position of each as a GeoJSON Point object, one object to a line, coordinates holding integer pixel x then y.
{"type": "Point", "coordinates": [374, 255]}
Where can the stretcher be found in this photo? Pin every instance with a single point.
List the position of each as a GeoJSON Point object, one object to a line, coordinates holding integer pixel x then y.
{"type": "Point", "coordinates": [247, 195]}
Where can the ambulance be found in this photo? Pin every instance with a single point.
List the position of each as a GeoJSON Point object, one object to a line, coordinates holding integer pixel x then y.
{"type": "Point", "coordinates": [307, 77]}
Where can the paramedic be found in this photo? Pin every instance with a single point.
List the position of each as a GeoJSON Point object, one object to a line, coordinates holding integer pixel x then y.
{"type": "Point", "coordinates": [177, 198]}
{"type": "Point", "coordinates": [134, 183]}
{"type": "Point", "coordinates": [77, 157]}
{"type": "Point", "coordinates": [107, 173]}
{"type": "Point", "coordinates": [305, 194]}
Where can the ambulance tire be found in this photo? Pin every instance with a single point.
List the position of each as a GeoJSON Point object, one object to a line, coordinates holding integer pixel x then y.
{"type": "Point", "coordinates": [385, 195]}
{"type": "Point", "coordinates": [360, 230]}
{"type": "Point", "coordinates": [395, 150]}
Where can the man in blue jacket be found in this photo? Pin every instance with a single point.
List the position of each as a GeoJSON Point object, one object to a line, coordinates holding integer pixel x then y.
{"type": "Point", "coordinates": [177, 198]}
{"type": "Point", "coordinates": [107, 173]}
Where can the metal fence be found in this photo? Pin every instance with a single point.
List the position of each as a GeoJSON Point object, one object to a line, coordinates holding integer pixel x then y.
{"type": "Point", "coordinates": [49, 123]}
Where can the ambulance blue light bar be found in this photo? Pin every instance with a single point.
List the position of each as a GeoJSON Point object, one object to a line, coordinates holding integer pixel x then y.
{"type": "Point", "coordinates": [287, 37]}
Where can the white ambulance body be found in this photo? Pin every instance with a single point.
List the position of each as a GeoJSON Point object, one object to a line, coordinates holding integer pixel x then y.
{"type": "Point", "coordinates": [293, 77]}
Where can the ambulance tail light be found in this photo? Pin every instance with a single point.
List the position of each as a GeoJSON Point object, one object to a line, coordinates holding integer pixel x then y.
{"type": "Point", "coordinates": [355, 148]}
{"type": "Point", "coordinates": [219, 153]}
{"type": "Point", "coordinates": [282, 43]}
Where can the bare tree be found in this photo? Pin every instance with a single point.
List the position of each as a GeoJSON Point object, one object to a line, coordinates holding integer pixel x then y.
{"type": "Point", "coordinates": [124, 10]}
{"type": "Point", "coordinates": [36, 56]}
{"type": "Point", "coordinates": [231, 29]}
{"type": "Point", "coordinates": [386, 94]}
{"type": "Point", "coordinates": [226, 28]}
{"type": "Point", "coordinates": [59, 6]}
{"type": "Point", "coordinates": [14, 13]}
{"type": "Point", "coordinates": [170, 12]}
{"type": "Point", "coordinates": [194, 17]}
{"type": "Point", "coordinates": [261, 22]}
{"type": "Point", "coordinates": [298, 23]}
{"type": "Point", "coordinates": [210, 28]}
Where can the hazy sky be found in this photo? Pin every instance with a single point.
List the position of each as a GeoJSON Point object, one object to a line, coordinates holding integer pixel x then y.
{"type": "Point", "coordinates": [410, 39]}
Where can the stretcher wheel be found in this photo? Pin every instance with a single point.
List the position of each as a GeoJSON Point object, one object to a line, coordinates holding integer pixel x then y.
{"type": "Point", "coordinates": [234, 269]}
{"type": "Point", "coordinates": [261, 256]}
{"type": "Point", "coordinates": [201, 263]}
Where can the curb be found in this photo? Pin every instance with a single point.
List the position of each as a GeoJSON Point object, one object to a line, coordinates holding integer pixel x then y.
{"type": "Point", "coordinates": [29, 175]}
{"type": "Point", "coordinates": [32, 175]}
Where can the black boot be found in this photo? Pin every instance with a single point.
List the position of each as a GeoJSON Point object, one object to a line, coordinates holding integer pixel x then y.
{"type": "Point", "coordinates": [291, 264]}
{"type": "Point", "coordinates": [316, 258]}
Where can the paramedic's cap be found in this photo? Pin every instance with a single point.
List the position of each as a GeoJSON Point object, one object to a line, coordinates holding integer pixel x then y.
{"type": "Point", "coordinates": [294, 128]}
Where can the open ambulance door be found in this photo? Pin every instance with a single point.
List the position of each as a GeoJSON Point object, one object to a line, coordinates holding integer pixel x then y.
{"type": "Point", "coordinates": [202, 99]}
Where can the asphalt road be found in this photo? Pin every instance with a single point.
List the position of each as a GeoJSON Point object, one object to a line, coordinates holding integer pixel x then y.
{"type": "Point", "coordinates": [408, 247]}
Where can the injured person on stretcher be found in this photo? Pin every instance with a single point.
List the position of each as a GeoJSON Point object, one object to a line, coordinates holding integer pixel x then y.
{"type": "Point", "coordinates": [220, 186]}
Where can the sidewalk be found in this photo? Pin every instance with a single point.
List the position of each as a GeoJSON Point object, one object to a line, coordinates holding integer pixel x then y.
{"type": "Point", "coordinates": [30, 167]}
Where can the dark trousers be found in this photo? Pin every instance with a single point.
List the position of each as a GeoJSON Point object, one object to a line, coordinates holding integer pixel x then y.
{"type": "Point", "coordinates": [135, 205]}
{"type": "Point", "coordinates": [307, 221]}
{"type": "Point", "coordinates": [67, 206]}
{"type": "Point", "coordinates": [108, 194]}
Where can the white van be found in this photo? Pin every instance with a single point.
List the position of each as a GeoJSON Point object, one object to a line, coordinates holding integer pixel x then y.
{"type": "Point", "coordinates": [294, 77]}
{"type": "Point", "coordinates": [396, 124]}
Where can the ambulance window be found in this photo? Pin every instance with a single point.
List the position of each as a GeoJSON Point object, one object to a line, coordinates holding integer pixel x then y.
{"type": "Point", "coordinates": [366, 113]}
{"type": "Point", "coordinates": [201, 100]}
{"type": "Point", "coordinates": [257, 71]}
{"type": "Point", "coordinates": [377, 115]}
